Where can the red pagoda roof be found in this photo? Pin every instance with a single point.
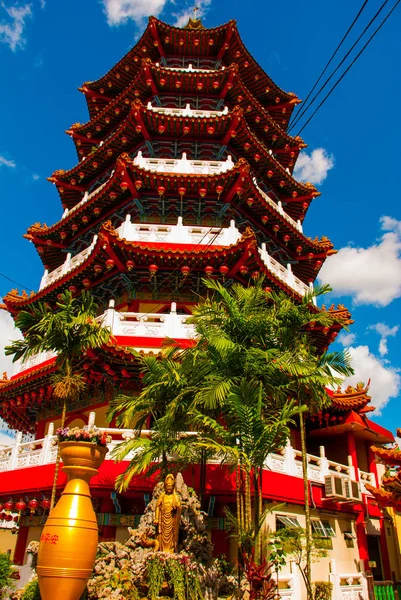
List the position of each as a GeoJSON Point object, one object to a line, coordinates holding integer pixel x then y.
{"type": "Point", "coordinates": [143, 124]}
{"type": "Point", "coordinates": [219, 44]}
{"type": "Point", "coordinates": [224, 84]}
{"type": "Point", "coordinates": [131, 181]}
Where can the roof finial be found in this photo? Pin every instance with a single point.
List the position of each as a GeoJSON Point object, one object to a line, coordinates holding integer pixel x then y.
{"type": "Point", "coordinates": [196, 8]}
{"type": "Point", "coordinates": [194, 22]}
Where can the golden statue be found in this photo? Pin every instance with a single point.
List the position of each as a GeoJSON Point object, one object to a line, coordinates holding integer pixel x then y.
{"type": "Point", "coordinates": [167, 517]}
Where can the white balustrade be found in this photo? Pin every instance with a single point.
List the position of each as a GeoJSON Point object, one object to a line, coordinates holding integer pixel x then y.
{"type": "Point", "coordinates": [289, 587]}
{"type": "Point", "coordinates": [190, 69]}
{"type": "Point", "coordinates": [365, 477]}
{"type": "Point", "coordinates": [188, 111]}
{"type": "Point", "coordinates": [32, 361]}
{"type": "Point", "coordinates": [279, 208]}
{"type": "Point", "coordinates": [70, 263]}
{"type": "Point", "coordinates": [183, 165]}
{"type": "Point", "coordinates": [179, 234]}
{"type": "Point", "coordinates": [44, 451]}
{"type": "Point", "coordinates": [283, 273]}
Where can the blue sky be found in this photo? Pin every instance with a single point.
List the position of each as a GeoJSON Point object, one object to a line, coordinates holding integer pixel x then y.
{"type": "Point", "coordinates": [49, 48]}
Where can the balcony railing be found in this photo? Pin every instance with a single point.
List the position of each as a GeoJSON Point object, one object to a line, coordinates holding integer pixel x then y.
{"type": "Point", "coordinates": [44, 451]}
{"type": "Point", "coordinates": [184, 165]}
{"type": "Point", "coordinates": [188, 111]}
{"type": "Point", "coordinates": [70, 263]}
{"type": "Point", "coordinates": [283, 273]}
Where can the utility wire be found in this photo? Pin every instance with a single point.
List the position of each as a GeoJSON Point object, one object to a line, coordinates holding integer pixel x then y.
{"type": "Point", "coordinates": [296, 120]}
{"type": "Point", "coordinates": [349, 67]}
{"type": "Point", "coordinates": [16, 282]}
{"type": "Point", "coordinates": [305, 105]}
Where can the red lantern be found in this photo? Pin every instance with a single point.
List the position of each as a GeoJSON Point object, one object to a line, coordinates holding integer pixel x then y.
{"type": "Point", "coordinates": [85, 219]}
{"type": "Point", "coordinates": [210, 130]}
{"type": "Point", "coordinates": [266, 128]}
{"type": "Point", "coordinates": [282, 184]}
{"type": "Point", "coordinates": [270, 174]}
{"type": "Point", "coordinates": [264, 219]}
{"type": "Point", "coordinates": [257, 157]}
{"type": "Point", "coordinates": [9, 505]}
{"type": "Point", "coordinates": [255, 274]}
{"type": "Point", "coordinates": [216, 85]}
{"type": "Point", "coordinates": [219, 189]}
{"type": "Point", "coordinates": [319, 263]}
{"type": "Point", "coordinates": [240, 98]}
{"type": "Point", "coordinates": [274, 137]}
{"type": "Point", "coordinates": [250, 201]}
{"type": "Point", "coordinates": [161, 129]}
{"type": "Point", "coordinates": [86, 282]}
{"type": "Point", "coordinates": [267, 290]}
{"type": "Point", "coordinates": [276, 228]}
{"type": "Point", "coordinates": [310, 256]}
{"type": "Point", "coordinates": [294, 194]}
{"type": "Point", "coordinates": [153, 269]}
{"type": "Point", "coordinates": [186, 130]}
{"type": "Point", "coordinates": [243, 270]}
{"type": "Point", "coordinates": [185, 270]}
{"type": "Point", "coordinates": [298, 249]}
{"type": "Point", "coordinates": [98, 268]}
{"type": "Point", "coordinates": [247, 145]}
{"type": "Point", "coordinates": [199, 86]}
{"type": "Point", "coordinates": [124, 139]}
{"type": "Point", "coordinates": [257, 119]}
{"type": "Point", "coordinates": [130, 265]}
{"type": "Point", "coordinates": [138, 128]}
{"type": "Point", "coordinates": [286, 238]}
{"type": "Point", "coordinates": [161, 190]}
{"type": "Point", "coordinates": [73, 289]}
{"type": "Point", "coordinates": [181, 191]}
{"type": "Point", "coordinates": [239, 190]}
{"type": "Point", "coordinates": [211, 42]}
{"type": "Point", "coordinates": [162, 82]}
{"type": "Point", "coordinates": [209, 270]}
{"type": "Point", "coordinates": [63, 235]}
{"type": "Point", "coordinates": [305, 205]}
{"type": "Point", "coordinates": [109, 264]}
{"type": "Point", "coordinates": [138, 184]}
{"type": "Point", "coordinates": [202, 192]}
{"type": "Point", "coordinates": [277, 100]}
{"type": "Point", "coordinates": [178, 84]}
{"type": "Point", "coordinates": [20, 505]}
{"type": "Point", "coordinates": [149, 82]}
{"type": "Point", "coordinates": [224, 270]}
{"type": "Point", "coordinates": [33, 505]}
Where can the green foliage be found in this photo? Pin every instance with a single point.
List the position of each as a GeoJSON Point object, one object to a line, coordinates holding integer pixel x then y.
{"type": "Point", "coordinates": [31, 590]}
{"type": "Point", "coordinates": [178, 572]}
{"type": "Point", "coordinates": [6, 571]}
{"type": "Point", "coordinates": [322, 590]}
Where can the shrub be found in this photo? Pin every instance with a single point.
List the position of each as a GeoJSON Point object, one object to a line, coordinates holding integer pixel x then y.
{"type": "Point", "coordinates": [322, 590]}
{"type": "Point", "coordinates": [31, 590]}
{"type": "Point", "coordinates": [6, 571]}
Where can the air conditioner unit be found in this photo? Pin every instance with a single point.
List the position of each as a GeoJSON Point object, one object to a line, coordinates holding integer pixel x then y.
{"type": "Point", "coordinates": [352, 490]}
{"type": "Point", "coordinates": [334, 487]}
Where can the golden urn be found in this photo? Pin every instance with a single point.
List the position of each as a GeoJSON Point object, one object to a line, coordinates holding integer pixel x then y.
{"type": "Point", "coordinates": [68, 544]}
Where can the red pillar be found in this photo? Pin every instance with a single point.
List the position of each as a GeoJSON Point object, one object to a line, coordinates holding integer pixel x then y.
{"type": "Point", "coordinates": [107, 532]}
{"type": "Point", "coordinates": [362, 538]}
{"type": "Point", "coordinates": [20, 546]}
{"type": "Point", "coordinates": [351, 449]}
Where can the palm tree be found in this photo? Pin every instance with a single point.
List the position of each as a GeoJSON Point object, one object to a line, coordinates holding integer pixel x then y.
{"type": "Point", "coordinates": [70, 329]}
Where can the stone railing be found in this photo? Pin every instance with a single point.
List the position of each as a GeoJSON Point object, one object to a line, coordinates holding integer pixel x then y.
{"type": "Point", "coordinates": [190, 68]}
{"type": "Point", "coordinates": [183, 165]}
{"type": "Point", "coordinates": [289, 587]}
{"type": "Point", "coordinates": [365, 477]}
{"type": "Point", "coordinates": [279, 208]}
{"type": "Point", "coordinates": [70, 263]}
{"type": "Point", "coordinates": [179, 234]}
{"type": "Point", "coordinates": [289, 462]}
{"type": "Point", "coordinates": [188, 111]}
{"type": "Point", "coordinates": [44, 451]}
{"type": "Point", "coordinates": [283, 273]}
{"type": "Point", "coordinates": [152, 325]}
{"type": "Point", "coordinates": [32, 361]}
{"type": "Point", "coordinates": [347, 586]}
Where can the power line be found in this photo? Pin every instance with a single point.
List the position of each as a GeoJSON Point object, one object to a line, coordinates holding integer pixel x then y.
{"type": "Point", "coordinates": [349, 67]}
{"type": "Point", "coordinates": [16, 282]}
{"type": "Point", "coordinates": [306, 105]}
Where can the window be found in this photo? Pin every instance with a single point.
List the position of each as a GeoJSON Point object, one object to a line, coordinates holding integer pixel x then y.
{"type": "Point", "coordinates": [322, 528]}
{"type": "Point", "coordinates": [349, 539]}
{"type": "Point", "coordinates": [283, 521]}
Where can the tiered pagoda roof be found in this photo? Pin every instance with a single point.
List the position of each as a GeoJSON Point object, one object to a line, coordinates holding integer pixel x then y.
{"type": "Point", "coordinates": [187, 140]}
{"type": "Point", "coordinates": [389, 495]}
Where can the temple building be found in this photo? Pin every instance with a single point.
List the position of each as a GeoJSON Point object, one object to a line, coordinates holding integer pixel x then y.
{"type": "Point", "coordinates": [185, 171]}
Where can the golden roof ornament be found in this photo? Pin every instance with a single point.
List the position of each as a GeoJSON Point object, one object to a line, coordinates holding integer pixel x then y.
{"type": "Point", "coordinates": [194, 23]}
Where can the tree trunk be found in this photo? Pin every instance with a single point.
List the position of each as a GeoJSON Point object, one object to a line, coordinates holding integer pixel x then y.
{"type": "Point", "coordinates": [57, 466]}
{"type": "Point", "coordinates": [202, 482]}
{"type": "Point", "coordinates": [308, 527]}
{"type": "Point", "coordinates": [248, 506]}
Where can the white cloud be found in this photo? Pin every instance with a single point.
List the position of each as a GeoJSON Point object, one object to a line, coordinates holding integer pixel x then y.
{"type": "Point", "coordinates": [384, 331]}
{"type": "Point", "coordinates": [35, 176]}
{"type": "Point", "coordinates": [346, 339]}
{"type": "Point", "coordinates": [313, 167]}
{"type": "Point", "coordinates": [8, 333]}
{"type": "Point", "coordinates": [12, 28]}
{"type": "Point", "coordinates": [3, 160]}
{"type": "Point", "coordinates": [6, 440]}
{"type": "Point", "coordinates": [120, 11]}
{"type": "Point", "coordinates": [385, 380]}
{"type": "Point", "coordinates": [370, 275]}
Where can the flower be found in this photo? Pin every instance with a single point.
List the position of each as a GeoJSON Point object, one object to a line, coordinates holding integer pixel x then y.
{"type": "Point", "coordinates": [75, 434]}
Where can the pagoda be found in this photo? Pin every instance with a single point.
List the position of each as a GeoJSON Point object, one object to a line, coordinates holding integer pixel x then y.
{"type": "Point", "coordinates": [184, 171]}
{"type": "Point", "coordinates": [389, 495]}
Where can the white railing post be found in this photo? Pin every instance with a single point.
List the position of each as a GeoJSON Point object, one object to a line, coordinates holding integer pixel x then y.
{"type": "Point", "coordinates": [47, 445]}
{"type": "Point", "coordinates": [16, 450]}
{"type": "Point", "coordinates": [352, 472]}
{"type": "Point", "coordinates": [289, 459]}
{"type": "Point", "coordinates": [109, 317]}
{"type": "Point", "coordinates": [335, 580]}
{"type": "Point", "coordinates": [43, 281]}
{"type": "Point", "coordinates": [324, 467]}
{"type": "Point", "coordinates": [91, 420]}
